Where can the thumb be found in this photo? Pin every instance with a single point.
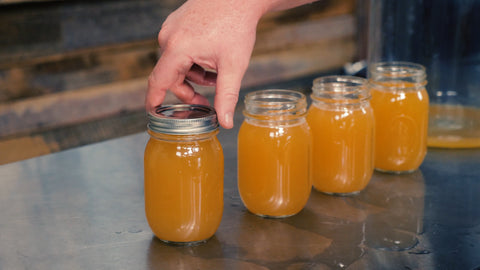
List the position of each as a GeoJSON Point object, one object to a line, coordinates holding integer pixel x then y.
{"type": "Point", "coordinates": [226, 96]}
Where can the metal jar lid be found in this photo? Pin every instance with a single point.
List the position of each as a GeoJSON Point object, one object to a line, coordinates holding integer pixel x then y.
{"type": "Point", "coordinates": [182, 119]}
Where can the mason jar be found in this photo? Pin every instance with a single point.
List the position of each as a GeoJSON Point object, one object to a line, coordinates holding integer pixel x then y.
{"type": "Point", "coordinates": [183, 174]}
{"type": "Point", "coordinates": [274, 152]}
{"type": "Point", "coordinates": [400, 103]}
{"type": "Point", "coordinates": [441, 35]}
{"type": "Point", "coordinates": [342, 126]}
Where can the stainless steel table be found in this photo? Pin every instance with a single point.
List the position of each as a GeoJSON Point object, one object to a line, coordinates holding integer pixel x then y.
{"type": "Point", "coordinates": [84, 209]}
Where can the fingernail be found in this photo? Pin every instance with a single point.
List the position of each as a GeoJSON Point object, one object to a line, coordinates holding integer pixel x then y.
{"type": "Point", "coordinates": [229, 120]}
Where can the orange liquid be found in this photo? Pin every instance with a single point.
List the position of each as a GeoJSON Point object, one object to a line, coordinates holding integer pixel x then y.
{"type": "Point", "coordinates": [401, 123]}
{"type": "Point", "coordinates": [184, 188]}
{"type": "Point", "coordinates": [342, 148]}
{"type": "Point", "coordinates": [454, 126]}
{"type": "Point", "coordinates": [273, 168]}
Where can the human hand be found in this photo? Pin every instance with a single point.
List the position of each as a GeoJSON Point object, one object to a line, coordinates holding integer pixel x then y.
{"type": "Point", "coordinates": [201, 35]}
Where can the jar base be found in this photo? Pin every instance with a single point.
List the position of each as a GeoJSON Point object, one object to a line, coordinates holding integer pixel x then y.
{"type": "Point", "coordinates": [184, 244]}
{"type": "Point", "coordinates": [395, 172]}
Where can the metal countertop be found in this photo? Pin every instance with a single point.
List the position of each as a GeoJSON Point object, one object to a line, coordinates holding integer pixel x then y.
{"type": "Point", "coordinates": [83, 209]}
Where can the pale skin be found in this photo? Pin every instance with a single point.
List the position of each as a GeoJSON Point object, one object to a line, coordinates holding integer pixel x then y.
{"type": "Point", "coordinates": [208, 42]}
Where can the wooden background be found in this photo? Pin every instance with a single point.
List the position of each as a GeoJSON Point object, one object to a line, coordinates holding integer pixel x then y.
{"type": "Point", "coordinates": [75, 72]}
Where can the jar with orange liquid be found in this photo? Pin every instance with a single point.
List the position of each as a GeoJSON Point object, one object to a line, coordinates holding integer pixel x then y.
{"type": "Point", "coordinates": [419, 32]}
{"type": "Point", "coordinates": [274, 153]}
{"type": "Point", "coordinates": [400, 104]}
{"type": "Point", "coordinates": [183, 174]}
{"type": "Point", "coordinates": [342, 126]}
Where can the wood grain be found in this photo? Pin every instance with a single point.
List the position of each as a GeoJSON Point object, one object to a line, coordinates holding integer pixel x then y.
{"type": "Point", "coordinates": [61, 66]}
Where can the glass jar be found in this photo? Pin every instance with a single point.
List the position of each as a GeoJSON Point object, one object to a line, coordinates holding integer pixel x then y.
{"type": "Point", "coordinates": [342, 126]}
{"type": "Point", "coordinates": [400, 103]}
{"type": "Point", "coordinates": [274, 153]}
{"type": "Point", "coordinates": [183, 173]}
{"type": "Point", "coordinates": [441, 35]}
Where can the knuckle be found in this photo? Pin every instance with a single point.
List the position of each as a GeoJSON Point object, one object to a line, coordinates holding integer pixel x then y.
{"type": "Point", "coordinates": [161, 37]}
{"type": "Point", "coordinates": [184, 93]}
{"type": "Point", "coordinates": [231, 95]}
{"type": "Point", "coordinates": [184, 96]}
{"type": "Point", "coordinates": [152, 80]}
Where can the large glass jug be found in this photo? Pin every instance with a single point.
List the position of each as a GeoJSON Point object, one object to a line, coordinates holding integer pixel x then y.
{"type": "Point", "coordinates": [442, 35]}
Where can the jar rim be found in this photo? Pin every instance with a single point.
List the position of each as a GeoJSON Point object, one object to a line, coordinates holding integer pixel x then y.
{"type": "Point", "coordinates": [340, 88]}
{"type": "Point", "coordinates": [275, 102]}
{"type": "Point", "coordinates": [182, 119]}
{"type": "Point", "coordinates": [397, 70]}
{"type": "Point", "coordinates": [338, 81]}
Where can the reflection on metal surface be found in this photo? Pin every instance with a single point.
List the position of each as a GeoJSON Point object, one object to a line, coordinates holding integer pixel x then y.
{"type": "Point", "coordinates": [331, 232]}
{"type": "Point", "coordinates": [211, 256]}
{"type": "Point", "coordinates": [402, 198]}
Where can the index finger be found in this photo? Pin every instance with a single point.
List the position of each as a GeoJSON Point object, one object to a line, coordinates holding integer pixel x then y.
{"type": "Point", "coordinates": [169, 71]}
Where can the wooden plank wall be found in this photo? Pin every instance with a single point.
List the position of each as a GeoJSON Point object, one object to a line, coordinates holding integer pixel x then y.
{"type": "Point", "coordinates": [69, 62]}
